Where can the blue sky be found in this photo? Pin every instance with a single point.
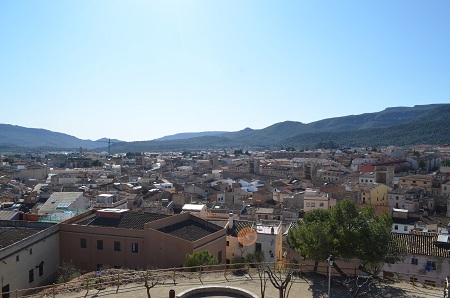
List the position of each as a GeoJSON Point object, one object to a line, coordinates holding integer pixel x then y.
{"type": "Point", "coordinates": [140, 70]}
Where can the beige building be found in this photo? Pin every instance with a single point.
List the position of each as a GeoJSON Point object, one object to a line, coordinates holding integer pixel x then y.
{"type": "Point", "coordinates": [123, 239]}
{"type": "Point", "coordinates": [315, 199]}
{"type": "Point", "coordinates": [417, 181]}
{"type": "Point", "coordinates": [375, 194]}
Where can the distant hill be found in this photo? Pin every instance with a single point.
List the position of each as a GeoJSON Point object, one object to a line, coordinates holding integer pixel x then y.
{"type": "Point", "coordinates": [36, 137]}
{"type": "Point", "coordinates": [189, 135]}
{"type": "Point", "coordinates": [422, 124]}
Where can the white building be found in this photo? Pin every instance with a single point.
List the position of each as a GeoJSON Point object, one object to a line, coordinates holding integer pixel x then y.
{"type": "Point", "coordinates": [29, 255]}
{"type": "Point", "coordinates": [63, 205]}
{"type": "Point", "coordinates": [315, 199]}
{"type": "Point", "coordinates": [427, 259]}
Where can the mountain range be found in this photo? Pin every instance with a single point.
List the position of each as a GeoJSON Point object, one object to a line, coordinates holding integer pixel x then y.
{"type": "Point", "coordinates": [421, 124]}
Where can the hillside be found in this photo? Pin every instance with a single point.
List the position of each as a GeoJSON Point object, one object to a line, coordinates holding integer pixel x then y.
{"type": "Point", "coordinates": [421, 124]}
{"type": "Point", "coordinates": [14, 135]}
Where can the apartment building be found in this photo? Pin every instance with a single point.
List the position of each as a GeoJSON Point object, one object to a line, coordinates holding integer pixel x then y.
{"type": "Point", "coordinates": [123, 239]}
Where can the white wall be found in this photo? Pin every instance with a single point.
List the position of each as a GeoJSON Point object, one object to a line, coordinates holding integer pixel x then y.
{"type": "Point", "coordinates": [44, 247]}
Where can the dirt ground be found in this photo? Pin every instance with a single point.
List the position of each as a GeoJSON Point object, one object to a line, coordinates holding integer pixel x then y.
{"type": "Point", "coordinates": [309, 285]}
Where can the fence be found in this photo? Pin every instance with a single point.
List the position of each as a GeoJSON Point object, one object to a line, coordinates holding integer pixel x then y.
{"type": "Point", "coordinates": [111, 280]}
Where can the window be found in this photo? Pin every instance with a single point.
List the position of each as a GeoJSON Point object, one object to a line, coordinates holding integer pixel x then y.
{"type": "Point", "coordinates": [116, 246]}
{"type": "Point", "coordinates": [219, 257]}
{"type": "Point", "coordinates": [41, 268]}
{"type": "Point", "coordinates": [321, 204]}
{"type": "Point", "coordinates": [31, 251]}
{"type": "Point", "coordinates": [405, 228]}
{"type": "Point", "coordinates": [308, 204]}
{"type": "Point", "coordinates": [431, 265]}
{"type": "Point", "coordinates": [31, 275]}
{"type": "Point", "coordinates": [396, 227]}
{"type": "Point", "coordinates": [313, 204]}
{"type": "Point", "coordinates": [134, 247]}
{"type": "Point", "coordinates": [414, 261]}
{"type": "Point", "coordinates": [5, 291]}
{"type": "Point", "coordinates": [228, 243]}
{"type": "Point", "coordinates": [83, 243]}
{"type": "Point", "coordinates": [257, 246]}
{"type": "Point", "coordinates": [100, 244]}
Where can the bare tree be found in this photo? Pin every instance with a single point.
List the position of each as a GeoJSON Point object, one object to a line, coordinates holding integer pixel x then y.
{"type": "Point", "coordinates": [282, 280]}
{"type": "Point", "coordinates": [67, 271]}
{"type": "Point", "coordinates": [149, 284]}
{"type": "Point", "coordinates": [262, 274]}
{"type": "Point", "coordinates": [359, 286]}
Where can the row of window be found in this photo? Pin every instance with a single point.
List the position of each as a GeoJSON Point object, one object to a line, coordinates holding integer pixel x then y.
{"type": "Point", "coordinates": [405, 228]}
{"type": "Point", "coordinates": [431, 265]}
{"type": "Point", "coordinates": [313, 204]}
{"type": "Point", "coordinates": [18, 256]}
{"type": "Point", "coordinates": [117, 245]}
{"type": "Point", "coordinates": [40, 267]}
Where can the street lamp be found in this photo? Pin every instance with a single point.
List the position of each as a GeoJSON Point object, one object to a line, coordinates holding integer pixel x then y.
{"type": "Point", "coordinates": [330, 260]}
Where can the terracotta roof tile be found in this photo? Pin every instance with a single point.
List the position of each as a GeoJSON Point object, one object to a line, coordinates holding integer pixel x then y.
{"type": "Point", "coordinates": [423, 244]}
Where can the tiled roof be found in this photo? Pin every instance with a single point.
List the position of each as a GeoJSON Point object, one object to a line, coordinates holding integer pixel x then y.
{"type": "Point", "coordinates": [190, 229]}
{"type": "Point", "coordinates": [128, 220]}
{"type": "Point", "coordinates": [239, 225]}
{"type": "Point", "coordinates": [423, 244]}
{"type": "Point", "coordinates": [9, 236]}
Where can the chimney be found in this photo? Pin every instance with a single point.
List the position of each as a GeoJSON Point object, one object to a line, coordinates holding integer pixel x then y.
{"type": "Point", "coordinates": [231, 221]}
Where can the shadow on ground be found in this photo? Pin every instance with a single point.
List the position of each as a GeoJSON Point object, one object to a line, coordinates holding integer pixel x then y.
{"type": "Point", "coordinates": [318, 286]}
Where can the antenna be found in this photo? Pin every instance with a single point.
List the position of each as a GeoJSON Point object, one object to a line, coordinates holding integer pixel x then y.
{"type": "Point", "coordinates": [109, 145]}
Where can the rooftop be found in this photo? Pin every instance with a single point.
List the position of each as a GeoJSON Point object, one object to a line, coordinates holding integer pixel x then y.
{"type": "Point", "coordinates": [422, 243]}
{"type": "Point", "coordinates": [9, 236]}
{"type": "Point", "coordinates": [190, 229]}
{"type": "Point", "coordinates": [128, 220]}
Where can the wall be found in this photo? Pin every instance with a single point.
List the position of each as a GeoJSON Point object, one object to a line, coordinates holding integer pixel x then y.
{"type": "Point", "coordinates": [41, 247]}
{"type": "Point", "coordinates": [87, 258]}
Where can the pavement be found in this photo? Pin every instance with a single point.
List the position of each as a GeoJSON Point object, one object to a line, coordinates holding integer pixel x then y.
{"type": "Point", "coordinates": [305, 286]}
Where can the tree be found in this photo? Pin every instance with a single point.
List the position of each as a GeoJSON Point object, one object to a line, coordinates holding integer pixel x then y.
{"type": "Point", "coordinates": [254, 258]}
{"type": "Point", "coordinates": [150, 281]}
{"type": "Point", "coordinates": [346, 232]}
{"type": "Point", "coordinates": [97, 163]}
{"type": "Point", "coordinates": [67, 272]}
{"type": "Point", "coordinates": [422, 164]}
{"type": "Point", "coordinates": [445, 163]}
{"type": "Point", "coordinates": [282, 281]}
{"type": "Point", "coordinates": [201, 258]}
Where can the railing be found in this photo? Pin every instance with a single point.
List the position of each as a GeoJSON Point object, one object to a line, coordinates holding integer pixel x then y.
{"type": "Point", "coordinates": [112, 282]}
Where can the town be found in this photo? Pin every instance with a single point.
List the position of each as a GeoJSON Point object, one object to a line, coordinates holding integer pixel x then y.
{"type": "Point", "coordinates": [149, 210]}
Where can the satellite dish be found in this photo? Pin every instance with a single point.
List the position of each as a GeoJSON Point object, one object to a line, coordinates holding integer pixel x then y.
{"type": "Point", "coordinates": [247, 236]}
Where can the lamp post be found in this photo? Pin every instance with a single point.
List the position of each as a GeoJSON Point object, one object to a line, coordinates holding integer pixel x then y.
{"type": "Point", "coordinates": [330, 260]}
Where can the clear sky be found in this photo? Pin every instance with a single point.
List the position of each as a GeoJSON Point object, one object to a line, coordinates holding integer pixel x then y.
{"type": "Point", "coordinates": [140, 70]}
